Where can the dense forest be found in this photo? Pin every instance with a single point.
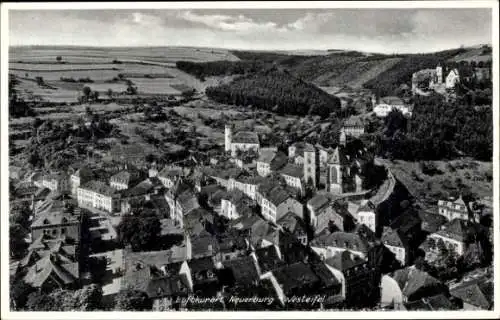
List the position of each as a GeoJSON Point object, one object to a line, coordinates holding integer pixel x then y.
{"type": "Point", "coordinates": [437, 130]}
{"type": "Point", "coordinates": [276, 91]}
{"type": "Point", "coordinates": [220, 68]}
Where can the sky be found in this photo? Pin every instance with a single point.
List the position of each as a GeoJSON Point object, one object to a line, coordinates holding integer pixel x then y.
{"type": "Point", "coordinates": [370, 30]}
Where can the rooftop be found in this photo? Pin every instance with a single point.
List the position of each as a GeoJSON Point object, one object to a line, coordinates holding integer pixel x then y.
{"type": "Point", "coordinates": [411, 279]}
{"type": "Point", "coordinates": [293, 170]}
{"type": "Point", "coordinates": [339, 239]}
{"type": "Point", "coordinates": [247, 137]}
{"type": "Point", "coordinates": [99, 187]}
{"type": "Point", "coordinates": [344, 260]}
{"type": "Point", "coordinates": [457, 229]}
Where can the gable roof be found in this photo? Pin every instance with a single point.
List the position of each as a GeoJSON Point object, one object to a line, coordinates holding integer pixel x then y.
{"type": "Point", "coordinates": [99, 187]}
{"type": "Point", "coordinates": [411, 279]}
{"type": "Point", "coordinates": [244, 269]}
{"type": "Point", "coordinates": [431, 222]}
{"type": "Point", "coordinates": [338, 156]}
{"type": "Point", "coordinates": [292, 170]}
{"type": "Point", "coordinates": [246, 137]}
{"type": "Point", "coordinates": [295, 276]}
{"type": "Point", "coordinates": [344, 260]}
{"type": "Point", "coordinates": [266, 155]}
{"type": "Point", "coordinates": [269, 258]}
{"type": "Point", "coordinates": [456, 229]}
{"type": "Point", "coordinates": [434, 303]}
{"type": "Point", "coordinates": [391, 237]}
{"type": "Point", "coordinates": [48, 266]}
{"type": "Point", "coordinates": [278, 195]}
{"type": "Point", "coordinates": [292, 223]}
{"type": "Point", "coordinates": [406, 221]}
{"type": "Point", "coordinates": [339, 239]}
{"type": "Point", "coordinates": [478, 292]}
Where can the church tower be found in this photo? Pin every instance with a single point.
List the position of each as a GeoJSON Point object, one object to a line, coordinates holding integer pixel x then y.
{"type": "Point", "coordinates": [439, 74]}
{"type": "Point", "coordinates": [228, 134]}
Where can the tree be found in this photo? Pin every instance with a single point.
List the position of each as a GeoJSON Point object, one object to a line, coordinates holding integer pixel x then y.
{"type": "Point", "coordinates": [88, 298]}
{"type": "Point", "coordinates": [97, 267]}
{"type": "Point", "coordinates": [59, 59]}
{"type": "Point", "coordinates": [132, 300]}
{"type": "Point", "coordinates": [18, 245]}
{"type": "Point", "coordinates": [110, 93]}
{"type": "Point", "coordinates": [86, 92]}
{"type": "Point", "coordinates": [95, 95]}
{"type": "Point", "coordinates": [40, 81]}
{"type": "Point", "coordinates": [40, 301]}
{"type": "Point", "coordinates": [142, 233]}
{"type": "Point", "coordinates": [19, 291]}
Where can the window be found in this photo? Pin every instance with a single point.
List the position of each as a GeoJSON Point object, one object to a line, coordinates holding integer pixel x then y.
{"type": "Point", "coordinates": [63, 230]}
{"type": "Point", "coordinates": [54, 232]}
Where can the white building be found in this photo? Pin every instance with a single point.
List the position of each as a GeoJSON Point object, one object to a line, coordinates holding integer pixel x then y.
{"type": "Point", "coordinates": [367, 215]}
{"type": "Point", "coordinates": [396, 244]}
{"type": "Point", "coordinates": [293, 176]}
{"type": "Point", "coordinates": [98, 195]}
{"type": "Point", "coordinates": [453, 209]}
{"type": "Point", "coordinates": [452, 79]}
{"type": "Point", "coordinates": [242, 140]}
{"type": "Point", "coordinates": [59, 182]}
{"type": "Point", "coordinates": [235, 204]}
{"type": "Point", "coordinates": [81, 176]}
{"type": "Point", "coordinates": [387, 104]}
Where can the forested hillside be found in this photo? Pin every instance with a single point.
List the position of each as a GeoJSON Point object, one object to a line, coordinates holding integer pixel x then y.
{"type": "Point", "coordinates": [276, 91]}
{"type": "Point", "coordinates": [437, 130]}
{"type": "Point", "coordinates": [388, 81]}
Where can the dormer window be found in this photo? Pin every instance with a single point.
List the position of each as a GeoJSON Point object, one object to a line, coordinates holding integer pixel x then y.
{"type": "Point", "coordinates": [46, 221]}
{"type": "Point", "coordinates": [64, 220]}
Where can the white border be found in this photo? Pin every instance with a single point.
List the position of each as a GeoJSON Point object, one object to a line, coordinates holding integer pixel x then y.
{"type": "Point", "coordinates": [6, 314]}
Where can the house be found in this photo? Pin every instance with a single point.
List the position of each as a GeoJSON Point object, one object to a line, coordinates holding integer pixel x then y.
{"type": "Point", "coordinates": [327, 244]}
{"type": "Point", "coordinates": [235, 204]}
{"type": "Point", "coordinates": [242, 140]}
{"type": "Point", "coordinates": [412, 284]}
{"type": "Point", "coordinates": [79, 177]}
{"type": "Point", "coordinates": [278, 202]}
{"type": "Point", "coordinates": [306, 156]}
{"type": "Point", "coordinates": [358, 280]}
{"type": "Point", "coordinates": [455, 235]}
{"type": "Point", "coordinates": [243, 271]}
{"type": "Point", "coordinates": [431, 222]}
{"type": "Point", "coordinates": [56, 219]}
{"type": "Point", "coordinates": [233, 245]}
{"type": "Point", "coordinates": [169, 174]}
{"type": "Point", "coordinates": [397, 244]}
{"type": "Point", "coordinates": [454, 209]}
{"type": "Point", "coordinates": [325, 213]}
{"type": "Point", "coordinates": [55, 182]}
{"type": "Point", "coordinates": [408, 224]}
{"type": "Point", "coordinates": [53, 271]}
{"type": "Point", "coordinates": [294, 176]}
{"type": "Point", "coordinates": [204, 276]}
{"type": "Point", "coordinates": [262, 233]}
{"type": "Point", "coordinates": [367, 215]}
{"type": "Point", "coordinates": [162, 276]}
{"type": "Point", "coordinates": [294, 225]}
{"type": "Point", "coordinates": [301, 278]}
{"type": "Point", "coordinates": [97, 194]}
{"type": "Point", "coordinates": [452, 79]}
{"type": "Point", "coordinates": [126, 179]}
{"type": "Point", "coordinates": [269, 258]}
{"type": "Point", "coordinates": [475, 293]}
{"type": "Point", "coordinates": [141, 193]}
{"type": "Point", "coordinates": [439, 302]}
{"type": "Point", "coordinates": [269, 161]}
{"type": "Point", "coordinates": [181, 200]}
{"type": "Point", "coordinates": [409, 285]}
{"type": "Point", "coordinates": [354, 127]}
{"type": "Point", "coordinates": [387, 104]}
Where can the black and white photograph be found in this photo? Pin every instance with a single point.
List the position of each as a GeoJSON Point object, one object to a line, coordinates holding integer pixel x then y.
{"type": "Point", "coordinates": [195, 159]}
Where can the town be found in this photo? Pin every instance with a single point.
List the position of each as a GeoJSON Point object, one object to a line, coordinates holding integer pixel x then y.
{"type": "Point", "coordinates": [247, 180]}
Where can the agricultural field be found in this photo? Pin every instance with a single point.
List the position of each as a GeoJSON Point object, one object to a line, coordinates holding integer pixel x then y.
{"type": "Point", "coordinates": [152, 70]}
